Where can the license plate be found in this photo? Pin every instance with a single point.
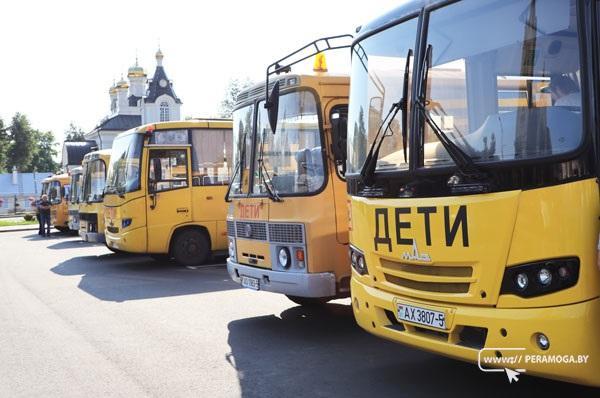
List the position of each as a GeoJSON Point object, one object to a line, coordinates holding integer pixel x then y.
{"type": "Point", "coordinates": [250, 283]}
{"type": "Point", "coordinates": [423, 316]}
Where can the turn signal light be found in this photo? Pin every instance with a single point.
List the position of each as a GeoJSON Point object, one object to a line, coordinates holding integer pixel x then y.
{"type": "Point", "coordinates": [299, 254]}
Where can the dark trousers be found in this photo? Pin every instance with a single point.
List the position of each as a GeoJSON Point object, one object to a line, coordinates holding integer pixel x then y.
{"type": "Point", "coordinates": [45, 223]}
{"type": "Point", "coordinates": [39, 220]}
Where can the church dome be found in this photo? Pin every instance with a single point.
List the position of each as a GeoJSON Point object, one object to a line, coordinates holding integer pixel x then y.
{"type": "Point", "coordinates": [121, 84]}
{"type": "Point", "coordinates": [112, 89]}
{"type": "Point", "coordinates": [136, 71]}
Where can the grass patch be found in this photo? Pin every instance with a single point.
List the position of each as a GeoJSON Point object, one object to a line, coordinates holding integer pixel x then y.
{"type": "Point", "coordinates": [12, 223]}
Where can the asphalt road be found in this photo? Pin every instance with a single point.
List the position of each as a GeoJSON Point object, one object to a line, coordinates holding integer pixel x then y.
{"type": "Point", "coordinates": [76, 320]}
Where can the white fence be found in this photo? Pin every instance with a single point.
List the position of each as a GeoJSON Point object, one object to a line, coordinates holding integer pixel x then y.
{"type": "Point", "coordinates": [12, 204]}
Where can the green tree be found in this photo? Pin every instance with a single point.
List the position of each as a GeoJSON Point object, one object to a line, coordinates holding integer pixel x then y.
{"type": "Point", "coordinates": [234, 87]}
{"type": "Point", "coordinates": [74, 133]}
{"type": "Point", "coordinates": [22, 146]}
{"type": "Point", "coordinates": [4, 143]}
{"type": "Point", "coordinates": [43, 159]}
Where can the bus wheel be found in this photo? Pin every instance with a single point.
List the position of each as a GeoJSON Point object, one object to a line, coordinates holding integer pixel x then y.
{"type": "Point", "coordinates": [310, 301]}
{"type": "Point", "coordinates": [63, 230]}
{"type": "Point", "coordinates": [190, 247]}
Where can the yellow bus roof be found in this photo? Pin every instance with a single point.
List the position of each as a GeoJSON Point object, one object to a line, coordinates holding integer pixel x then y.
{"type": "Point", "coordinates": [103, 154]}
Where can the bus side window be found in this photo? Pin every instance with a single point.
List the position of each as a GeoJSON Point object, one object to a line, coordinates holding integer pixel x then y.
{"type": "Point", "coordinates": [211, 157]}
{"type": "Point", "coordinates": [168, 169]}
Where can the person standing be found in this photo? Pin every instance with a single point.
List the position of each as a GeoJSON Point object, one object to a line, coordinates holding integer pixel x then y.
{"type": "Point", "coordinates": [44, 208]}
{"type": "Point", "coordinates": [36, 204]}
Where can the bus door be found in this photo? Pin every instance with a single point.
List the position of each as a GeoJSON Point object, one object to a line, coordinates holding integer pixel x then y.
{"type": "Point", "coordinates": [169, 198]}
{"type": "Point", "coordinates": [338, 119]}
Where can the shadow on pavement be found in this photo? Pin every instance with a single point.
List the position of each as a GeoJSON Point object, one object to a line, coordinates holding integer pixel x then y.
{"type": "Point", "coordinates": [53, 235]}
{"type": "Point", "coordinates": [72, 244]}
{"type": "Point", "coordinates": [114, 277]}
{"type": "Point", "coordinates": [321, 352]}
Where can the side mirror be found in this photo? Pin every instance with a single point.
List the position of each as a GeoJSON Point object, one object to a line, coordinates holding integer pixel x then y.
{"type": "Point", "coordinates": [272, 106]}
{"type": "Point", "coordinates": [339, 132]}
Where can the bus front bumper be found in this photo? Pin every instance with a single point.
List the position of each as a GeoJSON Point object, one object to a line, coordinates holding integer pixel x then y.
{"type": "Point", "coordinates": [92, 237]}
{"type": "Point", "coordinates": [573, 354]}
{"type": "Point", "coordinates": [131, 241]}
{"type": "Point", "coordinates": [288, 283]}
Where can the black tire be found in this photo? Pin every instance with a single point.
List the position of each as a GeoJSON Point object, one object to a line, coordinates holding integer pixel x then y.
{"type": "Point", "coordinates": [63, 230]}
{"type": "Point", "coordinates": [191, 247]}
{"type": "Point", "coordinates": [310, 301]}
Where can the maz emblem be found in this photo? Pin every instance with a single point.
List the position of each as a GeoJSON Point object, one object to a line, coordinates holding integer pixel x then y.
{"type": "Point", "coordinates": [415, 255]}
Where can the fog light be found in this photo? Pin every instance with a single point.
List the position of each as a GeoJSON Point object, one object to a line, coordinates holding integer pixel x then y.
{"type": "Point", "coordinates": [542, 341]}
{"type": "Point", "coordinates": [284, 257]}
{"type": "Point", "coordinates": [544, 277]}
{"type": "Point", "coordinates": [522, 281]}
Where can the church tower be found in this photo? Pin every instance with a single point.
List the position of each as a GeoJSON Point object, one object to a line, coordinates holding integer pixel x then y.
{"type": "Point", "coordinates": [137, 83]}
{"type": "Point", "coordinates": [160, 103]}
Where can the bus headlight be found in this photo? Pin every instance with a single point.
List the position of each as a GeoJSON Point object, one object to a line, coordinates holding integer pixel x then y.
{"type": "Point", "coordinates": [231, 249]}
{"type": "Point", "coordinates": [284, 257]}
{"type": "Point", "coordinates": [358, 262]}
{"type": "Point", "coordinates": [539, 278]}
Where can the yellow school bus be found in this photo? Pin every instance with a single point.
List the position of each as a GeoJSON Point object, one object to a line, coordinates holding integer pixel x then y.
{"type": "Point", "coordinates": [474, 221]}
{"type": "Point", "coordinates": [58, 186]}
{"type": "Point", "coordinates": [91, 209]}
{"type": "Point", "coordinates": [165, 189]}
{"type": "Point", "coordinates": [287, 221]}
{"type": "Point", "coordinates": [74, 198]}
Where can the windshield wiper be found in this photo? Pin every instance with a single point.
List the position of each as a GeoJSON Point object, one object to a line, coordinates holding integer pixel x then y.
{"type": "Point", "coordinates": [263, 172]}
{"type": "Point", "coordinates": [235, 172]}
{"type": "Point", "coordinates": [368, 170]}
{"type": "Point", "coordinates": [470, 178]}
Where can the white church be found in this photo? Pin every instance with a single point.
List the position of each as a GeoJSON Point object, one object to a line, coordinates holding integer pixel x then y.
{"type": "Point", "coordinates": [137, 101]}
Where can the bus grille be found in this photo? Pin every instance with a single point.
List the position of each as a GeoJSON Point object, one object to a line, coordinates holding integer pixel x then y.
{"type": "Point", "coordinates": [279, 232]}
{"type": "Point", "coordinates": [428, 278]}
{"type": "Point", "coordinates": [286, 233]}
{"type": "Point", "coordinates": [231, 229]}
{"type": "Point", "coordinates": [251, 230]}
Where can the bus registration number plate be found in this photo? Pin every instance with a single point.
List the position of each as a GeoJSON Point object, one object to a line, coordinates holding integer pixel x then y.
{"type": "Point", "coordinates": [250, 283]}
{"type": "Point", "coordinates": [423, 316]}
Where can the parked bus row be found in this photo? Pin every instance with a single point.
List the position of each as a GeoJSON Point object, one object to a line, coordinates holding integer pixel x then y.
{"type": "Point", "coordinates": [449, 185]}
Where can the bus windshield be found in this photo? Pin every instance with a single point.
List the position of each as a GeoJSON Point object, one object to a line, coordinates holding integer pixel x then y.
{"type": "Point", "coordinates": [75, 188]}
{"type": "Point", "coordinates": [512, 94]}
{"type": "Point", "coordinates": [94, 181]}
{"type": "Point", "coordinates": [242, 145]}
{"type": "Point", "coordinates": [124, 168]}
{"type": "Point", "coordinates": [292, 158]}
{"type": "Point", "coordinates": [54, 193]}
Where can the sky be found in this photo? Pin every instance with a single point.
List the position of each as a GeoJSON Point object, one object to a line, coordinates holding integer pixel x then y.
{"type": "Point", "coordinates": [59, 58]}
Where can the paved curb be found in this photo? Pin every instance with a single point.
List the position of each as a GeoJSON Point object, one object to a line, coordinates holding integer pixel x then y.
{"type": "Point", "coordinates": [17, 229]}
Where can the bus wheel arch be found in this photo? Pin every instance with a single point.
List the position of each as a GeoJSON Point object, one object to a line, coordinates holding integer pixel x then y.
{"type": "Point", "coordinates": [190, 245]}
